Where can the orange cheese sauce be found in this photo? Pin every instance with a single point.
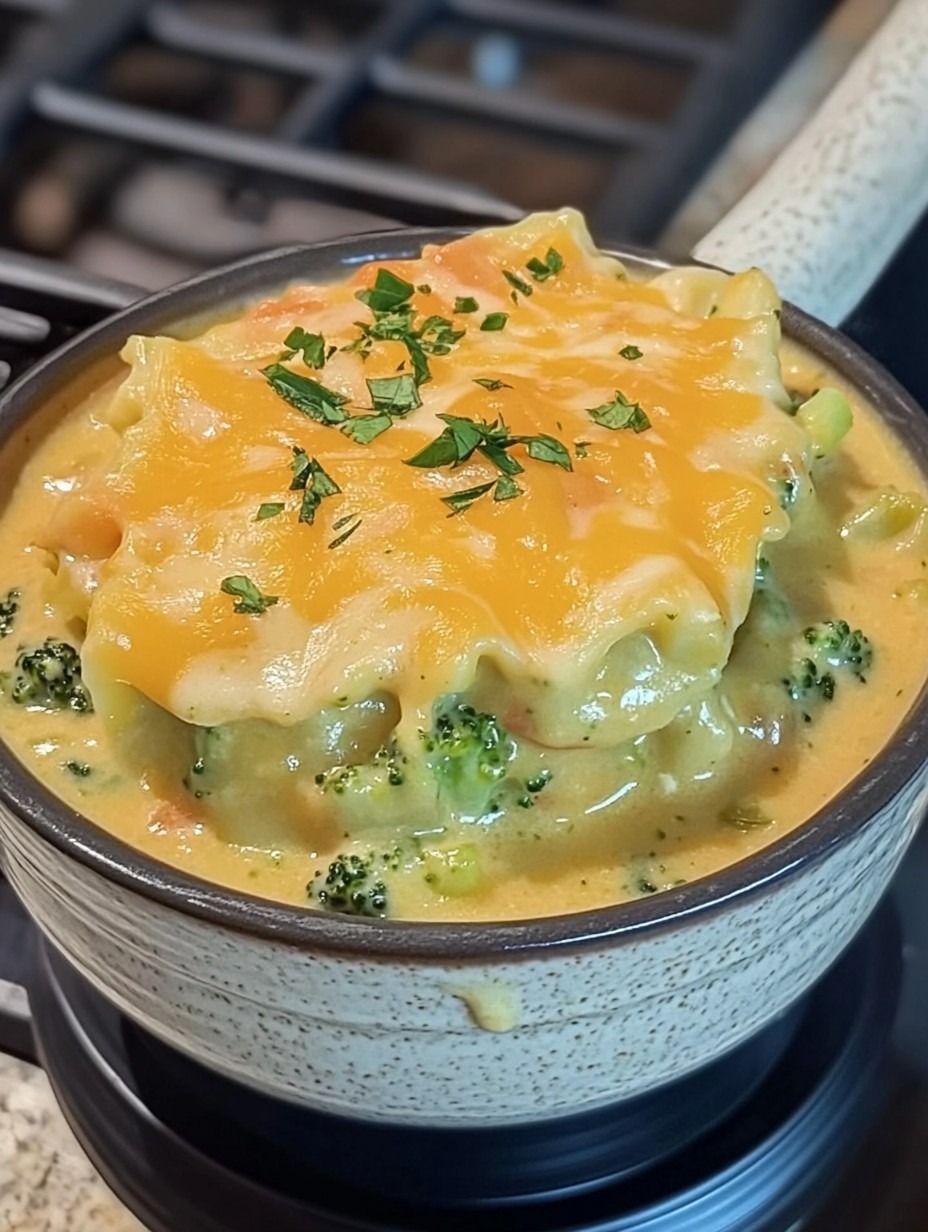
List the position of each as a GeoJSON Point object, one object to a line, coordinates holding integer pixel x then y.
{"type": "Point", "coordinates": [596, 614]}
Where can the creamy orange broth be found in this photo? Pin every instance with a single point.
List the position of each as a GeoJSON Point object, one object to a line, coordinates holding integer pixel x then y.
{"type": "Point", "coordinates": [607, 615]}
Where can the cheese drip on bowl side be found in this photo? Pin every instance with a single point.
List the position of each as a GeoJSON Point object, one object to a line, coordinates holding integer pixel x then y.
{"type": "Point", "coordinates": [490, 584]}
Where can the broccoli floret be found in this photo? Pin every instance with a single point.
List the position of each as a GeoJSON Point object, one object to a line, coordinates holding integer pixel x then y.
{"type": "Point", "coordinates": [468, 751]}
{"type": "Point", "coordinates": [8, 609]}
{"type": "Point", "coordinates": [353, 884]}
{"type": "Point", "coordinates": [385, 769]}
{"type": "Point", "coordinates": [828, 647]}
{"type": "Point", "coordinates": [50, 675]}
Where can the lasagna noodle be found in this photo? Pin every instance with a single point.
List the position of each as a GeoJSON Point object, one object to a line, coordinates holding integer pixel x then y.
{"type": "Point", "coordinates": [615, 587]}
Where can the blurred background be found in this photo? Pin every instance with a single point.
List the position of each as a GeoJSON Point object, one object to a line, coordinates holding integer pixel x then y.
{"type": "Point", "coordinates": [142, 140]}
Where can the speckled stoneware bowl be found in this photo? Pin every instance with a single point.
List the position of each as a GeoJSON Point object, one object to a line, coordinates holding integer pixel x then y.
{"type": "Point", "coordinates": [452, 1025]}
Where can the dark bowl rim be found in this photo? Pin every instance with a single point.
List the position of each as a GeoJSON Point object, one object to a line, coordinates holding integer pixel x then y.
{"type": "Point", "coordinates": [76, 836]}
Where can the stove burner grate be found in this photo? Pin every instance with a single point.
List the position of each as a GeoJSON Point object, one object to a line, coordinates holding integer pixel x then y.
{"type": "Point", "coordinates": [120, 117]}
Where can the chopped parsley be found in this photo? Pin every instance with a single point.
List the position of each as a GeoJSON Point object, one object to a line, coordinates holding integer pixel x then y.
{"type": "Point", "coordinates": [365, 428]}
{"type": "Point", "coordinates": [356, 521]}
{"type": "Point", "coordinates": [582, 448]}
{"type": "Point", "coordinates": [545, 448]}
{"type": "Point", "coordinates": [310, 478]}
{"type": "Point", "coordinates": [457, 502]}
{"type": "Point", "coordinates": [270, 509]}
{"type": "Point", "coordinates": [517, 283]}
{"type": "Point", "coordinates": [394, 395]}
{"type": "Point", "coordinates": [388, 300]}
{"type": "Point", "coordinates": [388, 293]}
{"type": "Point", "coordinates": [306, 395]}
{"type": "Point", "coordinates": [491, 383]}
{"type": "Point", "coordinates": [620, 413]}
{"type": "Point", "coordinates": [249, 601]}
{"type": "Point", "coordinates": [437, 335]}
{"type": "Point", "coordinates": [8, 609]}
{"type": "Point", "coordinates": [542, 270]}
{"type": "Point", "coordinates": [311, 345]}
{"type": "Point", "coordinates": [631, 352]}
{"type": "Point", "coordinates": [506, 489]}
{"type": "Point", "coordinates": [493, 322]}
{"type": "Point", "coordinates": [466, 303]}
{"type": "Point", "coordinates": [462, 437]}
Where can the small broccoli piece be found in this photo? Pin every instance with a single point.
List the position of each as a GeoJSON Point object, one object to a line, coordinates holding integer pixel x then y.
{"type": "Point", "coordinates": [385, 769]}
{"type": "Point", "coordinates": [353, 884]}
{"type": "Point", "coordinates": [828, 647]}
{"type": "Point", "coordinates": [468, 751]}
{"type": "Point", "coordinates": [50, 676]}
{"type": "Point", "coordinates": [9, 606]}
{"type": "Point", "coordinates": [79, 769]}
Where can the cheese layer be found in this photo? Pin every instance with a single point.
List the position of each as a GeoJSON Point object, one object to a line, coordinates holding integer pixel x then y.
{"type": "Point", "coordinates": [605, 596]}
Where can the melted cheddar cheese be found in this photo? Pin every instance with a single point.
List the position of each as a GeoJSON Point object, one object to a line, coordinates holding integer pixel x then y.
{"type": "Point", "coordinates": [582, 627]}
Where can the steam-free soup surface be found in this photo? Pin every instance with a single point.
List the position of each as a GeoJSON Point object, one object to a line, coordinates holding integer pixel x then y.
{"type": "Point", "coordinates": [489, 585]}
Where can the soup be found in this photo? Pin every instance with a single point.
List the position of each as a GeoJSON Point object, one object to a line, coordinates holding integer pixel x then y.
{"type": "Point", "coordinates": [489, 585]}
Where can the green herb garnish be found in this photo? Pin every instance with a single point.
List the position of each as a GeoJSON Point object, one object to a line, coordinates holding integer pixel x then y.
{"type": "Point", "coordinates": [463, 437]}
{"type": "Point", "coordinates": [270, 509]}
{"type": "Point", "coordinates": [306, 395]}
{"type": "Point", "coordinates": [310, 478]}
{"type": "Point", "coordinates": [517, 283]}
{"type": "Point", "coordinates": [582, 448]}
{"type": "Point", "coordinates": [466, 303]}
{"type": "Point", "coordinates": [542, 270]}
{"type": "Point", "coordinates": [312, 346]}
{"type": "Point", "coordinates": [545, 448]}
{"type": "Point", "coordinates": [437, 335]}
{"type": "Point", "coordinates": [631, 352]}
{"type": "Point", "coordinates": [349, 532]}
{"type": "Point", "coordinates": [365, 428]}
{"type": "Point", "coordinates": [491, 383]}
{"type": "Point", "coordinates": [393, 319]}
{"type": "Point", "coordinates": [620, 413]}
{"type": "Point", "coordinates": [249, 601]}
{"type": "Point", "coordinates": [457, 502]}
{"type": "Point", "coordinates": [506, 489]}
{"type": "Point", "coordinates": [493, 322]}
{"type": "Point", "coordinates": [387, 294]}
{"type": "Point", "coordinates": [394, 395]}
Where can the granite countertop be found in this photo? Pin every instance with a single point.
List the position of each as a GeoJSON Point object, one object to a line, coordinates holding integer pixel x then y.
{"type": "Point", "coordinates": [47, 1183]}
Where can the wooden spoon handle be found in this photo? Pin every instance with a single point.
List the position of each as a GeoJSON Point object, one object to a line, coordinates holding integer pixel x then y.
{"type": "Point", "coordinates": [829, 213]}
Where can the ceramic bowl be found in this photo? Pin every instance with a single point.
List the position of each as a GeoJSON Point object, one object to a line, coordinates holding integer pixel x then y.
{"type": "Point", "coordinates": [468, 1024]}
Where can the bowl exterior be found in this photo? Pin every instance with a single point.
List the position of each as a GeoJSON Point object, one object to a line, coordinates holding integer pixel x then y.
{"type": "Point", "coordinates": [457, 1044]}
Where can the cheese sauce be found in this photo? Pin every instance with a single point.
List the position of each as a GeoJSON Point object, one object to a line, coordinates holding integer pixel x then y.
{"type": "Point", "coordinates": [589, 683]}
